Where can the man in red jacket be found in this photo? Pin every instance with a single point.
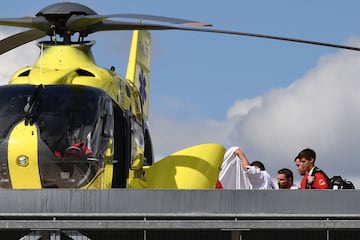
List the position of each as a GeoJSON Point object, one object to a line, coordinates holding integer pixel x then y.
{"type": "Point", "coordinates": [314, 177]}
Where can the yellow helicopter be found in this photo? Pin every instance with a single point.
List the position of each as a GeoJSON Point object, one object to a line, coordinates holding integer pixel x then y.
{"type": "Point", "coordinates": [68, 123]}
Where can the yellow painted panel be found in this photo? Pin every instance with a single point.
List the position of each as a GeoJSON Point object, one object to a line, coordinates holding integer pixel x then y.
{"type": "Point", "coordinates": [23, 141]}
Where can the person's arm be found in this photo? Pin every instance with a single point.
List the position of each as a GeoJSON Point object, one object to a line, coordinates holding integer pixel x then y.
{"type": "Point", "coordinates": [244, 161]}
{"type": "Point", "coordinates": [320, 181]}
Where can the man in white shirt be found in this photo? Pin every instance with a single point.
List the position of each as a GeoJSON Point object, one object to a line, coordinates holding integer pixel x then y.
{"type": "Point", "coordinates": [256, 172]}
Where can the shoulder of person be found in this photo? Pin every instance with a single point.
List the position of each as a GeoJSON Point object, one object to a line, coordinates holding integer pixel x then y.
{"type": "Point", "coordinates": [318, 171]}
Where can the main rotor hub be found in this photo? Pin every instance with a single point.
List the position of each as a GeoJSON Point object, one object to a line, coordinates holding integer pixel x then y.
{"type": "Point", "coordinates": [66, 8]}
{"type": "Point", "coordinates": [58, 15]}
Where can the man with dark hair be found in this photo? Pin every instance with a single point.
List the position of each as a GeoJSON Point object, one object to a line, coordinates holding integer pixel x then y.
{"type": "Point", "coordinates": [256, 172]}
{"type": "Point", "coordinates": [258, 164]}
{"type": "Point", "coordinates": [299, 168]}
{"type": "Point", "coordinates": [285, 179]}
{"type": "Point", "coordinates": [314, 177]}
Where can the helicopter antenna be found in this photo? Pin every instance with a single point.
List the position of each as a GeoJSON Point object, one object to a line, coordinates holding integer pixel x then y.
{"type": "Point", "coordinates": [53, 35]}
{"type": "Point", "coordinates": [41, 57]}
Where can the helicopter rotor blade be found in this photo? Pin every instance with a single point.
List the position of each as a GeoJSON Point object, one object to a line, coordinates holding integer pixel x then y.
{"type": "Point", "coordinates": [40, 22]}
{"type": "Point", "coordinates": [81, 22]}
{"type": "Point", "coordinates": [17, 22]}
{"type": "Point", "coordinates": [141, 17]}
{"type": "Point", "coordinates": [108, 25]}
{"type": "Point", "coordinates": [19, 39]}
{"type": "Point", "coordinates": [272, 37]}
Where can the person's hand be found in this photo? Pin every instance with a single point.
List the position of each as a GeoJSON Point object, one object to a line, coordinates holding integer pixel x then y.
{"type": "Point", "coordinates": [238, 152]}
{"type": "Point", "coordinates": [244, 161]}
{"type": "Point", "coordinates": [310, 179]}
{"type": "Point", "coordinates": [241, 155]}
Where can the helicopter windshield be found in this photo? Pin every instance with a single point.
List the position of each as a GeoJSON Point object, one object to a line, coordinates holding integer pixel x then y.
{"type": "Point", "coordinates": [75, 126]}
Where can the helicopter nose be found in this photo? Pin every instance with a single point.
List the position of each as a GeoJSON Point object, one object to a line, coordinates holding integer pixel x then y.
{"type": "Point", "coordinates": [23, 157]}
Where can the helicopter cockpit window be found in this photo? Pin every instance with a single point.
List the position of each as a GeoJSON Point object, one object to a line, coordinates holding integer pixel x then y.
{"type": "Point", "coordinates": [74, 124]}
{"type": "Point", "coordinates": [12, 104]}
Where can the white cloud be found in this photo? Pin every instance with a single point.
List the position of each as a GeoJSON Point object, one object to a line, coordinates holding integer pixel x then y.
{"type": "Point", "coordinates": [170, 135]}
{"type": "Point", "coordinates": [17, 58]}
{"type": "Point", "coordinates": [242, 107]}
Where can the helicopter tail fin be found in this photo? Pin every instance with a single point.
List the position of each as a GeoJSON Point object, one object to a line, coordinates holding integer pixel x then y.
{"type": "Point", "coordinates": [138, 70]}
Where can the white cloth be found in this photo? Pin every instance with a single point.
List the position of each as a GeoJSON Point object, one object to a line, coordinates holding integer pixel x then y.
{"type": "Point", "coordinates": [294, 187]}
{"type": "Point", "coordinates": [259, 179]}
{"type": "Point", "coordinates": [232, 176]}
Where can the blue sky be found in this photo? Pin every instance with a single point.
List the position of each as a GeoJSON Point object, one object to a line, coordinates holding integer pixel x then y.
{"type": "Point", "coordinates": [271, 98]}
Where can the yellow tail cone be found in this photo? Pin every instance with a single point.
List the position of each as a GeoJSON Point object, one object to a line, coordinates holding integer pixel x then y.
{"type": "Point", "coordinates": [196, 167]}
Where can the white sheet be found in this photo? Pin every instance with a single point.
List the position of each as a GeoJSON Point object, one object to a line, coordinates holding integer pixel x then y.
{"type": "Point", "coordinates": [232, 176]}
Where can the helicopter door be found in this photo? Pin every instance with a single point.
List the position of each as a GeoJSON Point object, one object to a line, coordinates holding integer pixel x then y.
{"type": "Point", "coordinates": [148, 154]}
{"type": "Point", "coordinates": [137, 145]}
{"type": "Point", "coordinates": [122, 146]}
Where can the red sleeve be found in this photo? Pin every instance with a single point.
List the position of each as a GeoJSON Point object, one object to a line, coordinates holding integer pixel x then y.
{"type": "Point", "coordinates": [321, 181]}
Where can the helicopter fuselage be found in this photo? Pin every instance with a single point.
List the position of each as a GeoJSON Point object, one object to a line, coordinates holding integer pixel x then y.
{"type": "Point", "coordinates": [65, 105]}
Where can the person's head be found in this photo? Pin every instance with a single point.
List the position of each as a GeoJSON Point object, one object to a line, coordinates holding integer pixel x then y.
{"type": "Point", "coordinates": [299, 168]}
{"type": "Point", "coordinates": [285, 178]}
{"type": "Point", "coordinates": [307, 159]}
{"type": "Point", "coordinates": [258, 164]}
